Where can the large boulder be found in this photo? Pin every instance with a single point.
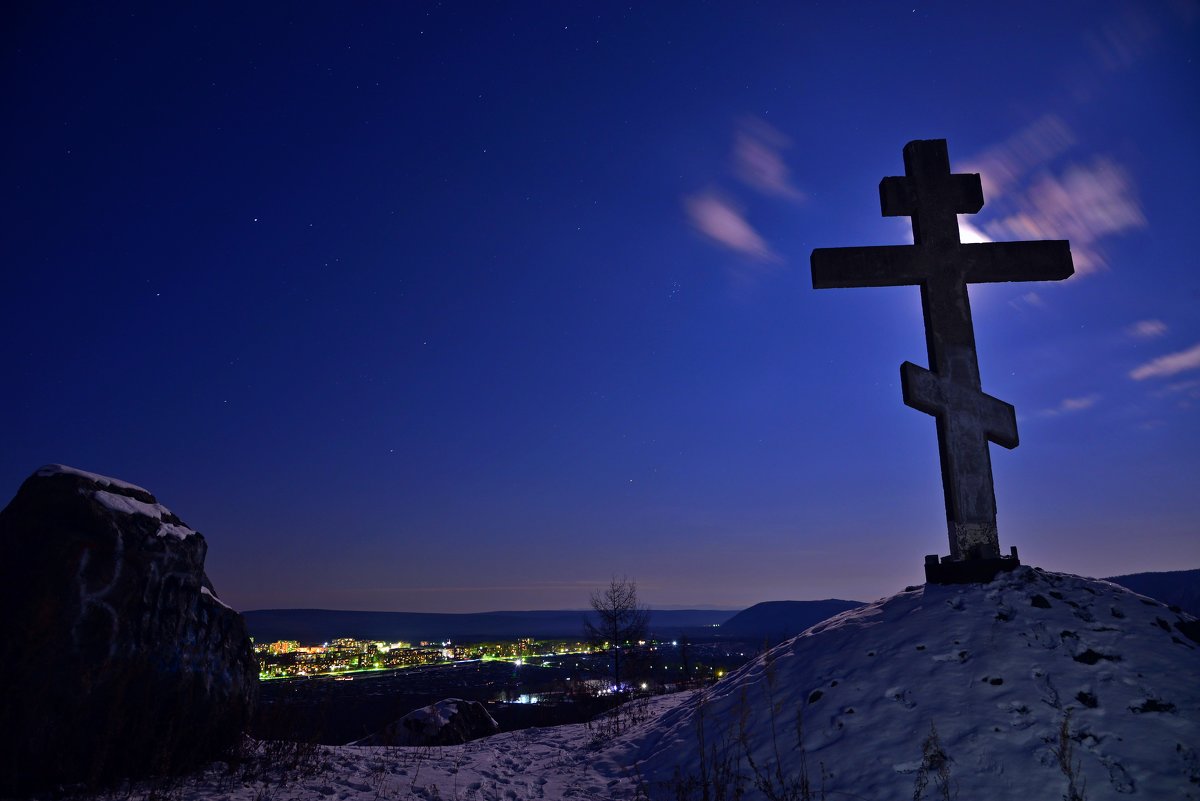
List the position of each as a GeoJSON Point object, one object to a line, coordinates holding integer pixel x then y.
{"type": "Point", "coordinates": [116, 656]}
{"type": "Point", "coordinates": [451, 721]}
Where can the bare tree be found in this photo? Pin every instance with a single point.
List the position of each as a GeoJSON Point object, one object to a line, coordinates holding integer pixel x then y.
{"type": "Point", "coordinates": [619, 619]}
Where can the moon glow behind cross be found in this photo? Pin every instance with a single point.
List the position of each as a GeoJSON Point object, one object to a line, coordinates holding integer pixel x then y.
{"type": "Point", "coordinates": [937, 262]}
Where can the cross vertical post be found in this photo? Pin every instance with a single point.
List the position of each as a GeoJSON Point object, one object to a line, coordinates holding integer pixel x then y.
{"type": "Point", "coordinates": [950, 390]}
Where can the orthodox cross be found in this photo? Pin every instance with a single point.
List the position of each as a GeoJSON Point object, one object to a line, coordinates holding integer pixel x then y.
{"type": "Point", "coordinates": [942, 266]}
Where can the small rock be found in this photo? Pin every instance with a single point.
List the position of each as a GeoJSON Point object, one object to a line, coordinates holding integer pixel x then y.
{"type": "Point", "coordinates": [1152, 705]}
{"type": "Point", "coordinates": [1090, 657]}
{"type": "Point", "coordinates": [452, 721]}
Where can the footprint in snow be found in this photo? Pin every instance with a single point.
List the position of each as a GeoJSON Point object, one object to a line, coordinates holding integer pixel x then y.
{"type": "Point", "coordinates": [1118, 777]}
{"type": "Point", "coordinates": [901, 697]}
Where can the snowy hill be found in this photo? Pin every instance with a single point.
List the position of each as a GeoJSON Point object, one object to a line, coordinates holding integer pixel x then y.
{"type": "Point", "coordinates": [998, 669]}
{"type": "Point", "coordinates": [995, 668]}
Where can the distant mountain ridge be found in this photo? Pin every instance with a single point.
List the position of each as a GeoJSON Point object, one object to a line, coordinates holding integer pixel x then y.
{"type": "Point", "coordinates": [1173, 587]}
{"type": "Point", "coordinates": [773, 621]}
{"type": "Point", "coordinates": [776, 621]}
{"type": "Point", "coordinates": [322, 625]}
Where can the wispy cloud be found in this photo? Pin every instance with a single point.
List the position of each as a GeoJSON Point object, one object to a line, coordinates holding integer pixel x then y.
{"type": "Point", "coordinates": [758, 159]}
{"type": "Point", "coordinates": [1083, 204]}
{"type": "Point", "coordinates": [1071, 405]}
{"type": "Point", "coordinates": [1030, 195]}
{"type": "Point", "coordinates": [1003, 166]}
{"type": "Point", "coordinates": [1029, 300]}
{"type": "Point", "coordinates": [1168, 365]}
{"type": "Point", "coordinates": [1121, 42]}
{"type": "Point", "coordinates": [719, 220]}
{"type": "Point", "coordinates": [1188, 389]}
{"type": "Point", "coordinates": [1118, 42]}
{"type": "Point", "coordinates": [1079, 404]}
{"type": "Point", "coordinates": [758, 163]}
{"type": "Point", "coordinates": [1146, 329]}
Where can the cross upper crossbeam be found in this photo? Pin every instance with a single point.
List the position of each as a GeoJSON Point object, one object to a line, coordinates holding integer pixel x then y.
{"type": "Point", "coordinates": [929, 193]}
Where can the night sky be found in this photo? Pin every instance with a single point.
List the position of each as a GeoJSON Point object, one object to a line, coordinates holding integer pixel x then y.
{"type": "Point", "coordinates": [471, 306]}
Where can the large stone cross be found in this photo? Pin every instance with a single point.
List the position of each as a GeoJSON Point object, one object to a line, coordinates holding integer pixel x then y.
{"type": "Point", "coordinates": [967, 419]}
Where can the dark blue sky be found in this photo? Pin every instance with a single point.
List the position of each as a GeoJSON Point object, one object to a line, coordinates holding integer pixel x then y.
{"type": "Point", "coordinates": [463, 307]}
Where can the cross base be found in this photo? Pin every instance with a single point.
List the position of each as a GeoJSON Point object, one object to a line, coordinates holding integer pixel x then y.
{"type": "Point", "coordinates": [968, 571]}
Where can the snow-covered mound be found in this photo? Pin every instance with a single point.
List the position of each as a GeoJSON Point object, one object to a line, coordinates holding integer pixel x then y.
{"type": "Point", "coordinates": [995, 668]}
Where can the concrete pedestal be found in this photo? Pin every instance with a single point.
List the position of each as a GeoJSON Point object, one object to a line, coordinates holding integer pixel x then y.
{"type": "Point", "coordinates": [967, 571]}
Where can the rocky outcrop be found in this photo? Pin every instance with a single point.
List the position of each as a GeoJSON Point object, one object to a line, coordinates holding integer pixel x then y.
{"type": "Point", "coordinates": [116, 655]}
{"type": "Point", "coordinates": [452, 721]}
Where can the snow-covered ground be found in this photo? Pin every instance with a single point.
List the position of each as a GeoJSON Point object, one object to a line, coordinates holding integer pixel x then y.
{"type": "Point", "coordinates": [997, 670]}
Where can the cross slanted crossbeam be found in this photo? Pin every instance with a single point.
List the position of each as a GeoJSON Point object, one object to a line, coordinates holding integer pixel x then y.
{"type": "Point", "coordinates": [942, 266]}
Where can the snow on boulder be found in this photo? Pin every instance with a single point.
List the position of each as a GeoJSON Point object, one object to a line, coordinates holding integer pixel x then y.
{"type": "Point", "coordinates": [1025, 680]}
{"type": "Point", "coordinates": [116, 656]}
{"type": "Point", "coordinates": [452, 721]}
